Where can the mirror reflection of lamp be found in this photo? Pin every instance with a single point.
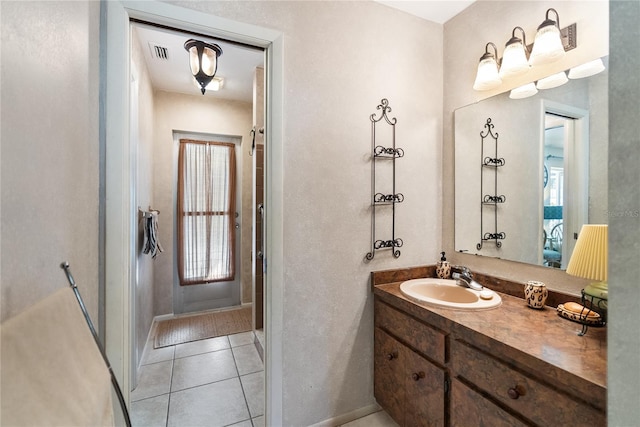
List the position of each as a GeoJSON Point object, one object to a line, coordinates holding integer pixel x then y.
{"type": "Point", "coordinates": [203, 60]}
{"type": "Point", "coordinates": [589, 259]}
{"type": "Point", "coordinates": [587, 69]}
{"type": "Point", "coordinates": [523, 91]}
{"type": "Point", "coordinates": [552, 81]}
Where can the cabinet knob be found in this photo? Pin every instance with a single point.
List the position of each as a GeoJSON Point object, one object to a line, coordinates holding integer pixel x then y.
{"type": "Point", "coordinates": [417, 375]}
{"type": "Point", "coordinates": [516, 392]}
{"type": "Point", "coordinates": [392, 355]}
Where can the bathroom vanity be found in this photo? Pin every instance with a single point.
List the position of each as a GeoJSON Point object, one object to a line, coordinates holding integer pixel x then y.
{"type": "Point", "coordinates": [507, 366]}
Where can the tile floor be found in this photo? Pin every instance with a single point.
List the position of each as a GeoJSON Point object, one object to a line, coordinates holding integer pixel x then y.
{"type": "Point", "coordinates": [213, 382]}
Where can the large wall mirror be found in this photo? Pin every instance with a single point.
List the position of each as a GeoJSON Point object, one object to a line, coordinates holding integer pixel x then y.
{"type": "Point", "coordinates": [547, 172]}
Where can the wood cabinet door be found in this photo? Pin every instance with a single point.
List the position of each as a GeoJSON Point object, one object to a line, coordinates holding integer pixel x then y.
{"type": "Point", "coordinates": [469, 408]}
{"type": "Point", "coordinates": [388, 385]}
{"type": "Point", "coordinates": [424, 392]}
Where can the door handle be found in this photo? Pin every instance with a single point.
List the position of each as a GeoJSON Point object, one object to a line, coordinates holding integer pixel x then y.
{"type": "Point", "coordinates": [261, 213]}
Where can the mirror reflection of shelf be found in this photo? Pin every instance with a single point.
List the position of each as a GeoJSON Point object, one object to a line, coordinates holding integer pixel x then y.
{"type": "Point", "coordinates": [387, 199]}
{"type": "Point", "coordinates": [494, 199]}
{"type": "Point", "coordinates": [381, 152]}
{"type": "Point", "coordinates": [493, 162]}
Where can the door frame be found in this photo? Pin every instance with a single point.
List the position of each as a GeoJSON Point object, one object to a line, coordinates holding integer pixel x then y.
{"type": "Point", "coordinates": [117, 179]}
{"type": "Point", "coordinates": [575, 211]}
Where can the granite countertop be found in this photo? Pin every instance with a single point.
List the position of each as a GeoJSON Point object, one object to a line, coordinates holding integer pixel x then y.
{"type": "Point", "coordinates": [538, 340]}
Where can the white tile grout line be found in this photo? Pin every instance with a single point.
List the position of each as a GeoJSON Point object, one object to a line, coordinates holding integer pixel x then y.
{"type": "Point", "coordinates": [246, 404]}
{"type": "Point", "coordinates": [173, 361]}
{"type": "Point", "coordinates": [244, 395]}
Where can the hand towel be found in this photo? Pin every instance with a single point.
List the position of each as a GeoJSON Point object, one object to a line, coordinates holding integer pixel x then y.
{"type": "Point", "coordinates": [151, 243]}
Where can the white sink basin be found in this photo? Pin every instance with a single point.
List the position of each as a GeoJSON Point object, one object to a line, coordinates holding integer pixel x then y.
{"type": "Point", "coordinates": [448, 294]}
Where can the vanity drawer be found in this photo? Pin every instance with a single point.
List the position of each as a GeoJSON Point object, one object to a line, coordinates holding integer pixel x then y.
{"type": "Point", "coordinates": [535, 401]}
{"type": "Point", "coordinates": [420, 336]}
{"type": "Point", "coordinates": [471, 408]}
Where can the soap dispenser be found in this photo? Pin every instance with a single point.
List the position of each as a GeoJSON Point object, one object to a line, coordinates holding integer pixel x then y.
{"type": "Point", "coordinates": [443, 269]}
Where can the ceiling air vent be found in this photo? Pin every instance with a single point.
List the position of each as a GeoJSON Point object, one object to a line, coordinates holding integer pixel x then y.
{"type": "Point", "coordinates": [159, 52]}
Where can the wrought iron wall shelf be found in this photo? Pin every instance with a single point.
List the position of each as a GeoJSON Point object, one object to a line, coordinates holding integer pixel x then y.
{"type": "Point", "coordinates": [491, 200]}
{"type": "Point", "coordinates": [380, 199]}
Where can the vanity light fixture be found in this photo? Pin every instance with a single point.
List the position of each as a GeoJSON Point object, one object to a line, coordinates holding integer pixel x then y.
{"type": "Point", "coordinates": [203, 60]}
{"type": "Point", "coordinates": [514, 59]}
{"type": "Point", "coordinates": [487, 76]}
{"type": "Point", "coordinates": [552, 81]}
{"type": "Point", "coordinates": [547, 46]}
{"type": "Point", "coordinates": [550, 45]}
{"type": "Point", "coordinates": [523, 91]}
{"type": "Point", "coordinates": [587, 69]}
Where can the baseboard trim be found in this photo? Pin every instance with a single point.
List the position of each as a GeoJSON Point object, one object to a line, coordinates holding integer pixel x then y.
{"type": "Point", "coordinates": [162, 317]}
{"type": "Point", "coordinates": [348, 417]}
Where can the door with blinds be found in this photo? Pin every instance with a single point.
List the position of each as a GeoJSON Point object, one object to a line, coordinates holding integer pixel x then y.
{"type": "Point", "coordinates": [207, 225]}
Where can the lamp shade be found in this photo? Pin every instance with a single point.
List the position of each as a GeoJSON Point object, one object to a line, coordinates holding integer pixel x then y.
{"type": "Point", "coordinates": [552, 81]}
{"type": "Point", "coordinates": [487, 76]}
{"type": "Point", "coordinates": [547, 46]}
{"type": "Point", "coordinates": [523, 91]}
{"type": "Point", "coordinates": [587, 69]}
{"type": "Point", "coordinates": [590, 255]}
{"type": "Point", "coordinates": [514, 59]}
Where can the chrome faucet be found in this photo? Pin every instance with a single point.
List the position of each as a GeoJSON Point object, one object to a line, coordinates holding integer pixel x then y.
{"type": "Point", "coordinates": [463, 275]}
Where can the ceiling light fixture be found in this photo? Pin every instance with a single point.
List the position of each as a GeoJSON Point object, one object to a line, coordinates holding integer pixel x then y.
{"type": "Point", "coordinates": [514, 60]}
{"type": "Point", "coordinates": [487, 76]}
{"type": "Point", "coordinates": [203, 60]}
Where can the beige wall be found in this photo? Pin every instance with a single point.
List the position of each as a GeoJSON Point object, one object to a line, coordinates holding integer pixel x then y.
{"type": "Point", "coordinates": [144, 195]}
{"type": "Point", "coordinates": [197, 114]}
{"type": "Point", "coordinates": [464, 39]}
{"type": "Point", "coordinates": [340, 60]}
{"type": "Point", "coordinates": [49, 151]}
